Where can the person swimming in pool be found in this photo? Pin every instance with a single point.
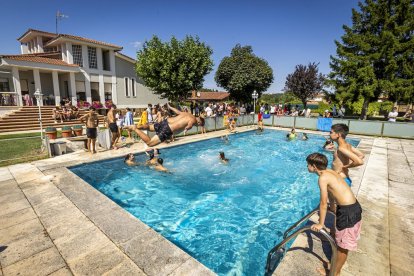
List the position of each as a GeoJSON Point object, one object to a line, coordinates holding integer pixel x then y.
{"type": "Point", "coordinates": [329, 145]}
{"type": "Point", "coordinates": [166, 128]}
{"type": "Point", "coordinates": [159, 167]}
{"type": "Point", "coordinates": [153, 156]}
{"type": "Point", "coordinates": [130, 160]}
{"type": "Point", "coordinates": [305, 136]}
{"type": "Point", "coordinates": [223, 158]}
{"type": "Point", "coordinates": [292, 135]}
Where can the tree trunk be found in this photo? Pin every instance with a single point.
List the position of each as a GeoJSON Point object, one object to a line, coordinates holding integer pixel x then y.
{"type": "Point", "coordinates": [304, 104]}
{"type": "Point", "coordinates": [364, 109]}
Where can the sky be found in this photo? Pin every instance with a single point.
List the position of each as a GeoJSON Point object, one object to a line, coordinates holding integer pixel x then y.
{"type": "Point", "coordinates": [283, 32]}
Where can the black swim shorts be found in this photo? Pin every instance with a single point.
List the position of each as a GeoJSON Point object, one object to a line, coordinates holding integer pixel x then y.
{"type": "Point", "coordinates": [348, 215]}
{"type": "Point", "coordinates": [113, 127]}
{"type": "Point", "coordinates": [91, 132]}
{"type": "Point", "coordinates": [163, 130]}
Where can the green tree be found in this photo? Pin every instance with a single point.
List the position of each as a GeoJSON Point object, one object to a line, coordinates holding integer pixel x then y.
{"type": "Point", "coordinates": [305, 82]}
{"type": "Point", "coordinates": [173, 69]}
{"type": "Point", "coordinates": [243, 72]}
{"type": "Point", "coordinates": [376, 53]}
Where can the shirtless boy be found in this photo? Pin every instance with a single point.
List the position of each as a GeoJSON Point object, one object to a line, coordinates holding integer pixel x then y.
{"type": "Point", "coordinates": [159, 167]}
{"type": "Point", "coordinates": [348, 213]}
{"type": "Point", "coordinates": [91, 121]}
{"type": "Point", "coordinates": [345, 156]}
{"type": "Point", "coordinates": [113, 126]}
{"type": "Point", "coordinates": [165, 129]}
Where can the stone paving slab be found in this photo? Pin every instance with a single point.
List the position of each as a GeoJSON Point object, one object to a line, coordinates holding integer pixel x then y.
{"type": "Point", "coordinates": [23, 248]}
{"type": "Point", "coordinates": [45, 262]}
{"type": "Point", "coordinates": [17, 217]}
{"type": "Point", "coordinates": [5, 174]}
{"type": "Point", "coordinates": [62, 272]}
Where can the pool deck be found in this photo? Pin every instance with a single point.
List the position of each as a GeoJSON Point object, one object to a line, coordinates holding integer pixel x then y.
{"type": "Point", "coordinates": [54, 223]}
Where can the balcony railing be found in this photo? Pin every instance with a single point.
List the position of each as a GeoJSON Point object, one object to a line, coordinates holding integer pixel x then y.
{"type": "Point", "coordinates": [8, 99]}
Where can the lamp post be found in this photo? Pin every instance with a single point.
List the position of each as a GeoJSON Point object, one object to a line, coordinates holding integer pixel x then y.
{"type": "Point", "coordinates": [39, 98]}
{"type": "Point", "coordinates": [254, 96]}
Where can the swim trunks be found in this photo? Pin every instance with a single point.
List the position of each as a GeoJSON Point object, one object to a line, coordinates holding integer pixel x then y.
{"type": "Point", "coordinates": [163, 130]}
{"type": "Point", "coordinates": [348, 215]}
{"type": "Point", "coordinates": [348, 181]}
{"type": "Point", "coordinates": [113, 127]}
{"type": "Point", "coordinates": [348, 225]}
{"type": "Point", "coordinates": [91, 132]}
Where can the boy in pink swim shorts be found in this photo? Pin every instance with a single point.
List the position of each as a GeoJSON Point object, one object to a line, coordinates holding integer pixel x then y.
{"type": "Point", "coordinates": [348, 211]}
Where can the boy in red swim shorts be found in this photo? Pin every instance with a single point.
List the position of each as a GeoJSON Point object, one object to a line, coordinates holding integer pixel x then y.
{"type": "Point", "coordinates": [348, 211]}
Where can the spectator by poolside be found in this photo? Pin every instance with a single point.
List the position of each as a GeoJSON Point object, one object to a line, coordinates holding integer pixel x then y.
{"type": "Point", "coordinates": [128, 120]}
{"type": "Point", "coordinates": [409, 116]}
{"type": "Point", "coordinates": [111, 120]}
{"type": "Point", "coordinates": [348, 211]}
{"type": "Point", "coordinates": [392, 116]}
{"type": "Point", "coordinates": [242, 110]}
{"type": "Point", "coordinates": [208, 111]}
{"type": "Point", "coordinates": [57, 114]}
{"type": "Point", "coordinates": [119, 121]}
{"type": "Point", "coordinates": [202, 123]}
{"type": "Point", "coordinates": [91, 121]}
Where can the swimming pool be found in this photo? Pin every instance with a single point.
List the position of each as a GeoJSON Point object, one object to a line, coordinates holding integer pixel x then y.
{"type": "Point", "coordinates": [228, 217]}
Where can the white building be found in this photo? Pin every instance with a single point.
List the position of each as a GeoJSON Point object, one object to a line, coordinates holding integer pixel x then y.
{"type": "Point", "coordinates": [68, 66]}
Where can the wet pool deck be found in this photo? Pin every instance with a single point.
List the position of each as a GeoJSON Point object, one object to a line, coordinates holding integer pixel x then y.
{"type": "Point", "coordinates": [54, 223]}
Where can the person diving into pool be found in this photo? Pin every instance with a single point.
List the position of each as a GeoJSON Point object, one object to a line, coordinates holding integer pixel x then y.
{"type": "Point", "coordinates": [165, 129]}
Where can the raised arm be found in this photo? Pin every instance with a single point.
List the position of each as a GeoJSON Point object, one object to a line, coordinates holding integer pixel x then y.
{"type": "Point", "coordinates": [175, 110]}
{"type": "Point", "coordinates": [83, 118]}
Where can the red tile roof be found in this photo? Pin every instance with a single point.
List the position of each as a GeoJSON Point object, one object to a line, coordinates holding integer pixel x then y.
{"type": "Point", "coordinates": [35, 58]}
{"type": "Point", "coordinates": [210, 96]}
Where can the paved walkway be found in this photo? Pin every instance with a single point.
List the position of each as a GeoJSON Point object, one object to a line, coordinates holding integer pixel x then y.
{"type": "Point", "coordinates": [54, 223]}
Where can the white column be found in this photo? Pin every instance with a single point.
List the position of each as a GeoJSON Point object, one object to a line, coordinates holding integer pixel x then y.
{"type": "Point", "coordinates": [63, 49]}
{"type": "Point", "coordinates": [99, 58]}
{"type": "Point", "coordinates": [69, 55]}
{"type": "Point", "coordinates": [112, 61]}
{"type": "Point", "coordinates": [88, 87]}
{"type": "Point", "coordinates": [39, 44]}
{"type": "Point", "coordinates": [114, 94]}
{"type": "Point", "coordinates": [85, 56]}
{"type": "Point", "coordinates": [38, 85]}
{"type": "Point", "coordinates": [23, 48]}
{"type": "Point", "coordinates": [56, 90]}
{"type": "Point", "coordinates": [17, 87]}
{"type": "Point", "coordinates": [72, 88]}
{"type": "Point", "coordinates": [101, 89]}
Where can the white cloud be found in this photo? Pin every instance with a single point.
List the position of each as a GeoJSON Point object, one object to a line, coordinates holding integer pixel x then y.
{"type": "Point", "coordinates": [136, 44]}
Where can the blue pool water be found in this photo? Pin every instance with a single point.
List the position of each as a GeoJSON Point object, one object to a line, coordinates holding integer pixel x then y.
{"type": "Point", "coordinates": [226, 216]}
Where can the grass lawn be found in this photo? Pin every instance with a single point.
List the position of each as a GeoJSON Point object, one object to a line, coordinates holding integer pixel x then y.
{"type": "Point", "coordinates": [20, 148]}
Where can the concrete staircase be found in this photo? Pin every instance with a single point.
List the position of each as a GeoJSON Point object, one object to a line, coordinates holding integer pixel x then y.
{"type": "Point", "coordinates": [27, 118]}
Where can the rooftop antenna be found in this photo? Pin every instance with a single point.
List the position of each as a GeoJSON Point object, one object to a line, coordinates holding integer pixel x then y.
{"type": "Point", "coordinates": [59, 16]}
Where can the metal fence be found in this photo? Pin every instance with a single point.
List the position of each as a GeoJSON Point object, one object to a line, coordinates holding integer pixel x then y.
{"type": "Point", "coordinates": [372, 128]}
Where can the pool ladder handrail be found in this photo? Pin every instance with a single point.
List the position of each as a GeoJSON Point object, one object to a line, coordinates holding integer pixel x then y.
{"type": "Point", "coordinates": [286, 239]}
